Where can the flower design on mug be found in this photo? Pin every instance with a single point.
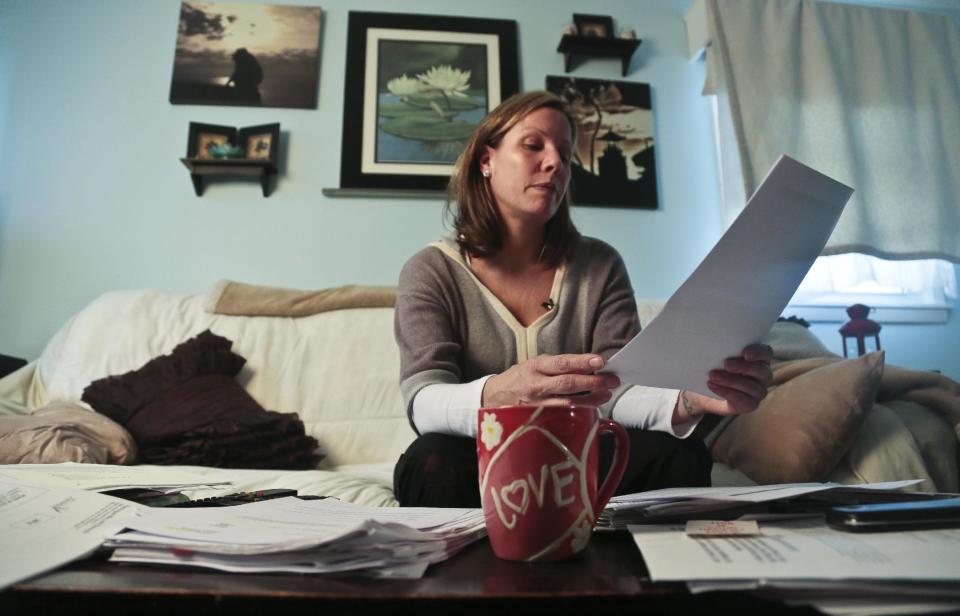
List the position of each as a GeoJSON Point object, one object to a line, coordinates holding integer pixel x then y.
{"type": "Point", "coordinates": [581, 535]}
{"type": "Point", "coordinates": [491, 430]}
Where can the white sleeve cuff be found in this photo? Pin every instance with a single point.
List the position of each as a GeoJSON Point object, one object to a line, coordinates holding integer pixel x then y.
{"type": "Point", "coordinates": [449, 408]}
{"type": "Point", "coordinates": [651, 408]}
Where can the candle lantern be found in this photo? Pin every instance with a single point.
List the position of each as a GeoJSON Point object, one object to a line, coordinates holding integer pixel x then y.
{"type": "Point", "coordinates": [861, 331]}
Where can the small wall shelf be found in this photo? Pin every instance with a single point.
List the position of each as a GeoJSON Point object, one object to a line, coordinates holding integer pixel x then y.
{"type": "Point", "coordinates": [200, 167]}
{"type": "Point", "coordinates": [595, 46]}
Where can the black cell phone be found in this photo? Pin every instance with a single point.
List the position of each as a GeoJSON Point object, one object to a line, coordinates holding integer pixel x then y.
{"type": "Point", "coordinates": [909, 515]}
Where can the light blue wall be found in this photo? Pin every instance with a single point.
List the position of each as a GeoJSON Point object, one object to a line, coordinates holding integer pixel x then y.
{"type": "Point", "coordinates": [93, 196]}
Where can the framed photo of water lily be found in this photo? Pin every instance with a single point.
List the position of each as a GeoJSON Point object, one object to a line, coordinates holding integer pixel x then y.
{"type": "Point", "coordinates": [415, 88]}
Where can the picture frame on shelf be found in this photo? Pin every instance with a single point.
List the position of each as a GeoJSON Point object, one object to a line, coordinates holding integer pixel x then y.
{"type": "Point", "coordinates": [415, 88]}
{"type": "Point", "coordinates": [203, 136]}
{"type": "Point", "coordinates": [260, 142]}
{"type": "Point", "coordinates": [593, 26]}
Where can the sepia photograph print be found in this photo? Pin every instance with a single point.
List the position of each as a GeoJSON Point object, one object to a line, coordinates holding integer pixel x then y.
{"type": "Point", "coordinates": [615, 163]}
{"type": "Point", "coordinates": [246, 54]}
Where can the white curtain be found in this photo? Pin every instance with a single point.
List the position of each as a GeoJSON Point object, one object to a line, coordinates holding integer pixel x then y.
{"type": "Point", "coordinates": [868, 96]}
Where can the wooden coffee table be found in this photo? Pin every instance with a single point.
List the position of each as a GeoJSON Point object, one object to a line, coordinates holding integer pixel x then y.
{"type": "Point", "coordinates": [610, 575]}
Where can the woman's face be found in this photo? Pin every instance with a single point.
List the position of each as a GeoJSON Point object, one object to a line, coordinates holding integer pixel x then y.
{"type": "Point", "coordinates": [530, 168]}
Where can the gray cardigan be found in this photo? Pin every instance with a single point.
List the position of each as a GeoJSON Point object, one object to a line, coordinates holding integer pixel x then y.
{"type": "Point", "coordinates": [451, 329]}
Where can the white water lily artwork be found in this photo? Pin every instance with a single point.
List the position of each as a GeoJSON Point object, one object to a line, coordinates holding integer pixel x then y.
{"type": "Point", "coordinates": [430, 98]}
{"type": "Point", "coordinates": [415, 88]}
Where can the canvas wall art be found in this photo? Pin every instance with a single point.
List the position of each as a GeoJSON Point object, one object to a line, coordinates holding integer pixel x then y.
{"type": "Point", "coordinates": [246, 54]}
{"type": "Point", "coordinates": [615, 162]}
{"type": "Point", "coordinates": [416, 86]}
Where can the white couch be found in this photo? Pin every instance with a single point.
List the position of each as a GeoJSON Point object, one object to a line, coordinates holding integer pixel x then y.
{"type": "Point", "coordinates": [338, 370]}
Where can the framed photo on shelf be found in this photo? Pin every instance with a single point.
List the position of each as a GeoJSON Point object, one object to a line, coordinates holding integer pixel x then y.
{"type": "Point", "coordinates": [260, 142]}
{"type": "Point", "coordinates": [615, 164]}
{"type": "Point", "coordinates": [596, 26]}
{"type": "Point", "coordinates": [203, 136]}
{"type": "Point", "coordinates": [415, 88]}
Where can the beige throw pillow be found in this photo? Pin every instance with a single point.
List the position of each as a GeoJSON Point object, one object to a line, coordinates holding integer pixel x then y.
{"type": "Point", "coordinates": [64, 432]}
{"type": "Point", "coordinates": [804, 426]}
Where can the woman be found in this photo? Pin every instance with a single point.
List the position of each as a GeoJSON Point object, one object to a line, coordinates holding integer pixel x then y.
{"type": "Point", "coordinates": [520, 308]}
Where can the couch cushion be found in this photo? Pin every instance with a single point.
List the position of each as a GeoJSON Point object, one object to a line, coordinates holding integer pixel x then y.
{"type": "Point", "coordinates": [339, 370]}
{"type": "Point", "coordinates": [805, 424]}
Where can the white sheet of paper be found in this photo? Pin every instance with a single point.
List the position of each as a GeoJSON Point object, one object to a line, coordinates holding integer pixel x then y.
{"type": "Point", "coordinates": [802, 549]}
{"type": "Point", "coordinates": [740, 288]}
{"type": "Point", "coordinates": [293, 535]}
{"type": "Point", "coordinates": [101, 477]}
{"type": "Point", "coordinates": [290, 523]}
{"type": "Point", "coordinates": [747, 494]}
{"type": "Point", "coordinates": [42, 528]}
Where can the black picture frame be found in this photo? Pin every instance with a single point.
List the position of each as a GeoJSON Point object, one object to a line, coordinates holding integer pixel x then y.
{"type": "Point", "coordinates": [260, 142]}
{"type": "Point", "coordinates": [615, 164]}
{"type": "Point", "coordinates": [598, 26]}
{"type": "Point", "coordinates": [201, 135]}
{"type": "Point", "coordinates": [377, 46]}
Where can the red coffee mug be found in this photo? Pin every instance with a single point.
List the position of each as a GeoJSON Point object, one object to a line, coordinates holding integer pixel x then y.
{"type": "Point", "coordinates": [538, 478]}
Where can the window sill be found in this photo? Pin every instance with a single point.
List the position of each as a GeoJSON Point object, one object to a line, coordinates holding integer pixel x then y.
{"type": "Point", "coordinates": [833, 313]}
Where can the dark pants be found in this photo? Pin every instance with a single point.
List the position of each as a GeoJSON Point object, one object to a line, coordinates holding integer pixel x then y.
{"type": "Point", "coordinates": [439, 470]}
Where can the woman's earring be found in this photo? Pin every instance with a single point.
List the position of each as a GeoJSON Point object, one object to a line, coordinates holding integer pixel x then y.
{"type": "Point", "coordinates": [485, 173]}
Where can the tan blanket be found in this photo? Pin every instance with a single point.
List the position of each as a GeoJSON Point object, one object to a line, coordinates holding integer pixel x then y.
{"type": "Point", "coordinates": [239, 299]}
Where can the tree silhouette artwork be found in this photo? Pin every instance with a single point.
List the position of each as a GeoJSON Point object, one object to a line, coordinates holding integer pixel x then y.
{"type": "Point", "coordinates": [615, 162]}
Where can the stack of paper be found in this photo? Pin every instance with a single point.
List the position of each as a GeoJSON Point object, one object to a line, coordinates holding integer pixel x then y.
{"type": "Point", "coordinates": [804, 561]}
{"type": "Point", "coordinates": [726, 503]}
{"type": "Point", "coordinates": [301, 536]}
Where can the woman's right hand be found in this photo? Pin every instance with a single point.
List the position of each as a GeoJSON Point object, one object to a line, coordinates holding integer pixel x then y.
{"type": "Point", "coordinates": [552, 379]}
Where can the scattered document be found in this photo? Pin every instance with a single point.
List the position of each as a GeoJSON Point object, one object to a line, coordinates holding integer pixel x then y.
{"type": "Point", "coordinates": [42, 528]}
{"type": "Point", "coordinates": [674, 503]}
{"type": "Point", "coordinates": [104, 477]}
{"type": "Point", "coordinates": [301, 536]}
{"type": "Point", "coordinates": [740, 288]}
{"type": "Point", "coordinates": [797, 550]}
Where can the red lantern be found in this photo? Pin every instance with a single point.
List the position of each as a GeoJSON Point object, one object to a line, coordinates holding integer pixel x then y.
{"type": "Point", "coordinates": [860, 329]}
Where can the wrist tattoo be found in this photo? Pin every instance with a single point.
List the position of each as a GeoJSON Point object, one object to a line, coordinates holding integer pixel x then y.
{"type": "Point", "coordinates": [687, 407]}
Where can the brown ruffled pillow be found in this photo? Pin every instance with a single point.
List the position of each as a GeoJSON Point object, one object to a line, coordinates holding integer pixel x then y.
{"type": "Point", "coordinates": [186, 408]}
{"type": "Point", "coordinates": [805, 425]}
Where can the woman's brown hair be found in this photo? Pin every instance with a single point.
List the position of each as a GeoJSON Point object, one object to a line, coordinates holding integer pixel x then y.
{"type": "Point", "coordinates": [476, 221]}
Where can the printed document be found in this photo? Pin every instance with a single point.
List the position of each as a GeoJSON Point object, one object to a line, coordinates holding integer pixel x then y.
{"type": "Point", "coordinates": [740, 288]}
{"type": "Point", "coordinates": [42, 528]}
{"type": "Point", "coordinates": [103, 477]}
{"type": "Point", "coordinates": [797, 550]}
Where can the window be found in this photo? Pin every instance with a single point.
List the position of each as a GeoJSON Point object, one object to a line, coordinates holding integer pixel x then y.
{"type": "Point", "coordinates": [920, 291]}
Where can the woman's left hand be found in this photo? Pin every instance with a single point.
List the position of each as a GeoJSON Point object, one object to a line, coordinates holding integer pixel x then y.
{"type": "Point", "coordinates": [742, 384]}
